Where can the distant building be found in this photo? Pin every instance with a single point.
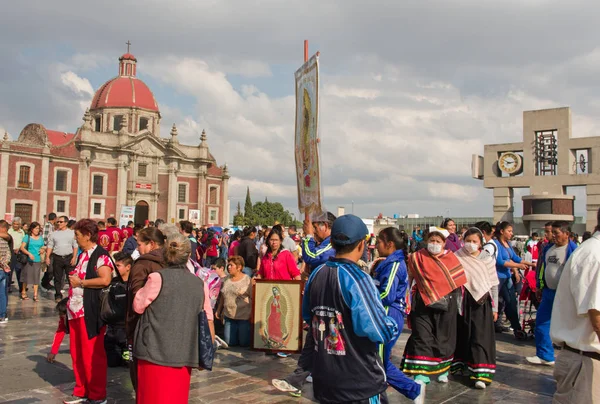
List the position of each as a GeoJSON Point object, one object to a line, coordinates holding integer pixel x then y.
{"type": "Point", "coordinates": [547, 161]}
{"type": "Point", "coordinates": [116, 158]}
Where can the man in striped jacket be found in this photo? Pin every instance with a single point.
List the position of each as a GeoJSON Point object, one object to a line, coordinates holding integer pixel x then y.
{"type": "Point", "coordinates": [316, 246]}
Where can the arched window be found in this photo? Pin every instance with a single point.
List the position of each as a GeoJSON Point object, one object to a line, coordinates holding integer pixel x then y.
{"type": "Point", "coordinates": [117, 122]}
{"type": "Point", "coordinates": [97, 124]}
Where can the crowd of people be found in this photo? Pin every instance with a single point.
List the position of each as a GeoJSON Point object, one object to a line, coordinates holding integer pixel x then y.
{"type": "Point", "coordinates": [137, 294]}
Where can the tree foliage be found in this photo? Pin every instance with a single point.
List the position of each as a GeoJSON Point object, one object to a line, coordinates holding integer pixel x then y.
{"type": "Point", "coordinates": [267, 213]}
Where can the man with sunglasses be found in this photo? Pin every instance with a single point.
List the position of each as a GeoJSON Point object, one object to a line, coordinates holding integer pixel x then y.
{"type": "Point", "coordinates": [61, 255]}
{"type": "Point", "coordinates": [316, 247]}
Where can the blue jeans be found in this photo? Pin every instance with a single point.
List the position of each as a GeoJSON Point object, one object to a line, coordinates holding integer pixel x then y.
{"type": "Point", "coordinates": [395, 378]}
{"type": "Point", "coordinates": [543, 343]}
{"type": "Point", "coordinates": [237, 332]}
{"type": "Point", "coordinates": [3, 293]}
{"type": "Point", "coordinates": [15, 268]}
{"type": "Point", "coordinates": [506, 291]}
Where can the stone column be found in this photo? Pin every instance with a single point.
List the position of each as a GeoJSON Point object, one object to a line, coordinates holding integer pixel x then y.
{"type": "Point", "coordinates": [4, 157]}
{"type": "Point", "coordinates": [122, 168]}
{"type": "Point", "coordinates": [503, 204]}
{"type": "Point", "coordinates": [83, 193]}
{"type": "Point", "coordinates": [202, 193]}
{"type": "Point", "coordinates": [44, 184]}
{"type": "Point", "coordinates": [172, 195]}
{"type": "Point", "coordinates": [592, 205]}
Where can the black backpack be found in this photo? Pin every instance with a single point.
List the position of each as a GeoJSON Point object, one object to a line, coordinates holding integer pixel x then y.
{"type": "Point", "coordinates": [113, 302]}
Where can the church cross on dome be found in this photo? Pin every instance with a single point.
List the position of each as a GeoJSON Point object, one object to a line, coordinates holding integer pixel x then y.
{"type": "Point", "coordinates": [128, 45]}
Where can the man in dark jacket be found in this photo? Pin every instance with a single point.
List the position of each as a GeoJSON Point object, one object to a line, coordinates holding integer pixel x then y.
{"type": "Point", "coordinates": [347, 322]}
{"type": "Point", "coordinates": [247, 250]}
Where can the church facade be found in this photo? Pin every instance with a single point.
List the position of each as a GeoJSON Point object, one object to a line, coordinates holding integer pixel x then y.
{"type": "Point", "coordinates": [116, 158]}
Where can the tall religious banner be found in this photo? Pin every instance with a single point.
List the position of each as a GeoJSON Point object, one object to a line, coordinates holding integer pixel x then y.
{"type": "Point", "coordinates": [306, 147]}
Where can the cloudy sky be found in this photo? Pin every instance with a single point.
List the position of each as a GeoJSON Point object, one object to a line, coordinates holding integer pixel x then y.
{"type": "Point", "coordinates": [410, 89]}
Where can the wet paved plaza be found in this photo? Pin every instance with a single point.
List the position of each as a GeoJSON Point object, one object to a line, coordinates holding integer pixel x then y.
{"type": "Point", "coordinates": [239, 375]}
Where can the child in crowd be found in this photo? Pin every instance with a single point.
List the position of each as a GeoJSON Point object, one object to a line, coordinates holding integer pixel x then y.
{"type": "Point", "coordinates": [115, 341]}
{"type": "Point", "coordinates": [63, 328]}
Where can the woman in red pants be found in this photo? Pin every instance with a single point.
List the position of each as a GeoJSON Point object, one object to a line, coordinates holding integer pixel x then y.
{"type": "Point", "coordinates": [166, 339]}
{"type": "Point", "coordinates": [92, 273]}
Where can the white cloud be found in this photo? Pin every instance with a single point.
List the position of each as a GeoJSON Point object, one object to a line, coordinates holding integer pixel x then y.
{"type": "Point", "coordinates": [77, 84]}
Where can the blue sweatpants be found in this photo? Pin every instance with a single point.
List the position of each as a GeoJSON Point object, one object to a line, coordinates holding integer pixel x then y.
{"type": "Point", "coordinates": [395, 378]}
{"type": "Point", "coordinates": [543, 343]}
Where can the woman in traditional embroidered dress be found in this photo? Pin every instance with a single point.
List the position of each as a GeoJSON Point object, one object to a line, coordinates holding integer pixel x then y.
{"type": "Point", "coordinates": [453, 242]}
{"type": "Point", "coordinates": [508, 261]}
{"type": "Point", "coordinates": [437, 274]}
{"type": "Point", "coordinates": [475, 354]}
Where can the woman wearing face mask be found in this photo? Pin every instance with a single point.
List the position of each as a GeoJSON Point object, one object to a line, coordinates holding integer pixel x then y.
{"type": "Point", "coordinates": [508, 261]}
{"type": "Point", "coordinates": [475, 353]}
{"type": "Point", "coordinates": [391, 279]}
{"type": "Point", "coordinates": [453, 242]}
{"type": "Point", "coordinates": [437, 274]}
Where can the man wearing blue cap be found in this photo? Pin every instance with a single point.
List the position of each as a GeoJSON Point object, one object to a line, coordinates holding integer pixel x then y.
{"type": "Point", "coordinates": [347, 322]}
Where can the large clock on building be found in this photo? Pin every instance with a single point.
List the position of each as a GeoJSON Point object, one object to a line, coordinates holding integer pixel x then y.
{"type": "Point", "coordinates": [510, 163]}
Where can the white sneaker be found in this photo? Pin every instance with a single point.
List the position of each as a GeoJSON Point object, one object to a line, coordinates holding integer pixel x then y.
{"type": "Point", "coordinates": [479, 385]}
{"type": "Point", "coordinates": [443, 379]}
{"type": "Point", "coordinates": [309, 379]}
{"type": "Point", "coordinates": [74, 400]}
{"type": "Point", "coordinates": [284, 386]}
{"type": "Point", "coordinates": [534, 360]}
{"type": "Point", "coordinates": [221, 343]}
{"type": "Point", "coordinates": [420, 399]}
{"type": "Point", "coordinates": [4, 320]}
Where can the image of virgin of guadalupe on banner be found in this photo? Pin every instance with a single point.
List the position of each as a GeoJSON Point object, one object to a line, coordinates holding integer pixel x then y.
{"type": "Point", "coordinates": [306, 145]}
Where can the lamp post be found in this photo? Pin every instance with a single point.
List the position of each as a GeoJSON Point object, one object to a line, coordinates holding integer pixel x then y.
{"type": "Point", "coordinates": [352, 207]}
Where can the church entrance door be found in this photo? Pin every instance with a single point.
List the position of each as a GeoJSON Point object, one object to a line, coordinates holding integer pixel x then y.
{"type": "Point", "coordinates": [141, 213]}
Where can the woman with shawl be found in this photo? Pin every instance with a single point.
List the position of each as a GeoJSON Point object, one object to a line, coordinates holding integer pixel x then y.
{"type": "Point", "coordinates": [453, 242]}
{"type": "Point", "coordinates": [475, 354]}
{"type": "Point", "coordinates": [437, 274]}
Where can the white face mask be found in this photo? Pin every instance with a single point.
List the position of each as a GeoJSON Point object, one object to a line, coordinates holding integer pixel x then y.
{"type": "Point", "coordinates": [434, 248]}
{"type": "Point", "coordinates": [471, 247]}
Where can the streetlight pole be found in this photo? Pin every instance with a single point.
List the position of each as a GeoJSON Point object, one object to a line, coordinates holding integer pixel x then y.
{"type": "Point", "coordinates": [352, 207]}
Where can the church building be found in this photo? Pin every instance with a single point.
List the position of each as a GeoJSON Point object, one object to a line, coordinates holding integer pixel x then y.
{"type": "Point", "coordinates": [116, 158]}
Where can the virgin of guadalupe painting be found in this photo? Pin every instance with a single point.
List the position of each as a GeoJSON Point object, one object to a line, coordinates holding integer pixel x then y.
{"type": "Point", "coordinates": [306, 139]}
{"type": "Point", "coordinates": [276, 316]}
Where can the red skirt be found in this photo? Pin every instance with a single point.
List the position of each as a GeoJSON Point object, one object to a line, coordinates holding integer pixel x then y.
{"type": "Point", "coordinates": [162, 384]}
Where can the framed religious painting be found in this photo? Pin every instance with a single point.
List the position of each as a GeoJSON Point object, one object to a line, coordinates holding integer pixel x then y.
{"type": "Point", "coordinates": [277, 316]}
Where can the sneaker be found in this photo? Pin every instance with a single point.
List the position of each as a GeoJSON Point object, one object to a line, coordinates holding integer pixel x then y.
{"type": "Point", "coordinates": [74, 400]}
{"type": "Point", "coordinates": [221, 343]}
{"type": "Point", "coordinates": [420, 399]}
{"type": "Point", "coordinates": [534, 360]}
{"type": "Point", "coordinates": [443, 378]}
{"type": "Point", "coordinates": [309, 379]}
{"type": "Point", "coordinates": [3, 320]}
{"type": "Point", "coordinates": [284, 386]}
{"type": "Point", "coordinates": [283, 354]}
{"type": "Point", "coordinates": [422, 378]}
{"type": "Point", "coordinates": [479, 385]}
{"type": "Point", "coordinates": [96, 401]}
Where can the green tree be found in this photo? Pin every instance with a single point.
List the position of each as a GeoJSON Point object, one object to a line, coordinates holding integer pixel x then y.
{"type": "Point", "coordinates": [249, 216]}
{"type": "Point", "coordinates": [269, 213]}
{"type": "Point", "coordinates": [238, 218]}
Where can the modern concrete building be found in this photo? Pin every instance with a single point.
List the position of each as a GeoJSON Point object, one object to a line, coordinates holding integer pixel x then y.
{"type": "Point", "coordinates": [547, 161]}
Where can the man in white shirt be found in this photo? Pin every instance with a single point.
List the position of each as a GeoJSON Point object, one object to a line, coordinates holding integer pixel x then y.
{"type": "Point", "coordinates": [17, 234]}
{"type": "Point", "coordinates": [576, 326]}
{"type": "Point", "coordinates": [553, 257]}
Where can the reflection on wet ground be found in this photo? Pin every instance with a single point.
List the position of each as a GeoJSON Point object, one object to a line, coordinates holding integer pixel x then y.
{"type": "Point", "coordinates": [239, 375]}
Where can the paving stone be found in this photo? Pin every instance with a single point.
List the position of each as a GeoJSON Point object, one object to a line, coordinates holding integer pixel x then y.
{"type": "Point", "coordinates": [239, 375]}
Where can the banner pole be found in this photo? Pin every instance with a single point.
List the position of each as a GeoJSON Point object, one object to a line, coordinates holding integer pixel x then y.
{"type": "Point", "coordinates": [306, 215]}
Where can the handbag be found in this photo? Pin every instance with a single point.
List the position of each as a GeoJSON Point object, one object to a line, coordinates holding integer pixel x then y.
{"type": "Point", "coordinates": [206, 347]}
{"type": "Point", "coordinates": [113, 302]}
{"type": "Point", "coordinates": [22, 258]}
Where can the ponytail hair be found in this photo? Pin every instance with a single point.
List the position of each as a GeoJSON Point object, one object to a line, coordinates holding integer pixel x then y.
{"type": "Point", "coordinates": [394, 235]}
{"type": "Point", "coordinates": [177, 250]}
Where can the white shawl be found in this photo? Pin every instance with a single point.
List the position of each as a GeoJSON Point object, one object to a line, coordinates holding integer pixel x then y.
{"type": "Point", "coordinates": [480, 271]}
